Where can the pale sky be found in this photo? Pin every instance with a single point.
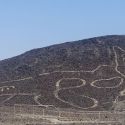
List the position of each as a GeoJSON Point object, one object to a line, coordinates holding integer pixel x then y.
{"type": "Point", "coordinates": [28, 24]}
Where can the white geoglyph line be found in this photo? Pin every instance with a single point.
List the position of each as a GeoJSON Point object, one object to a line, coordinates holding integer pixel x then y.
{"type": "Point", "coordinates": [78, 86]}
{"type": "Point", "coordinates": [5, 95]}
{"type": "Point", "coordinates": [2, 87]}
{"type": "Point", "coordinates": [36, 98]}
{"type": "Point", "coordinates": [93, 83]}
{"type": "Point", "coordinates": [116, 61]}
{"type": "Point", "coordinates": [25, 94]}
{"type": "Point", "coordinates": [120, 48]}
{"type": "Point", "coordinates": [94, 70]}
{"type": "Point", "coordinates": [116, 68]}
{"type": "Point", "coordinates": [122, 93]}
{"type": "Point", "coordinates": [80, 71]}
{"type": "Point", "coordinates": [9, 98]}
{"type": "Point", "coordinates": [6, 87]}
{"type": "Point", "coordinates": [83, 83]}
{"type": "Point", "coordinates": [17, 80]}
{"type": "Point", "coordinates": [42, 74]}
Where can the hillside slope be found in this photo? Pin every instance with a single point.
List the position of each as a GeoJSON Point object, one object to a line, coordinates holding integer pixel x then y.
{"type": "Point", "coordinates": [86, 74]}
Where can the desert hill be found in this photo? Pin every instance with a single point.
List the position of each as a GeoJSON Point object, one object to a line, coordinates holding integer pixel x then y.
{"type": "Point", "coordinates": [86, 74]}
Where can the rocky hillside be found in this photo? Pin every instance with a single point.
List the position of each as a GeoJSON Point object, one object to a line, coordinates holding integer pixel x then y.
{"type": "Point", "coordinates": [86, 74]}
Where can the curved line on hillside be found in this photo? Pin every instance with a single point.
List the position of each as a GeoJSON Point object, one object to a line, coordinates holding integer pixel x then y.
{"type": "Point", "coordinates": [122, 93]}
{"type": "Point", "coordinates": [71, 104]}
{"type": "Point", "coordinates": [36, 99]}
{"type": "Point", "coordinates": [9, 98]}
{"type": "Point", "coordinates": [116, 86]}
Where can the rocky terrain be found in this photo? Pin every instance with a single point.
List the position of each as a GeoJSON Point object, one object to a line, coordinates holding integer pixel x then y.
{"type": "Point", "coordinates": [86, 74]}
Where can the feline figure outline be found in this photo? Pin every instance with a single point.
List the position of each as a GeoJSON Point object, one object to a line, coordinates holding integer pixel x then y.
{"type": "Point", "coordinates": [118, 60]}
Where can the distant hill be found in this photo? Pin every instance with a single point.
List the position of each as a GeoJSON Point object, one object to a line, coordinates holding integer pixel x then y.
{"type": "Point", "coordinates": [86, 74]}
